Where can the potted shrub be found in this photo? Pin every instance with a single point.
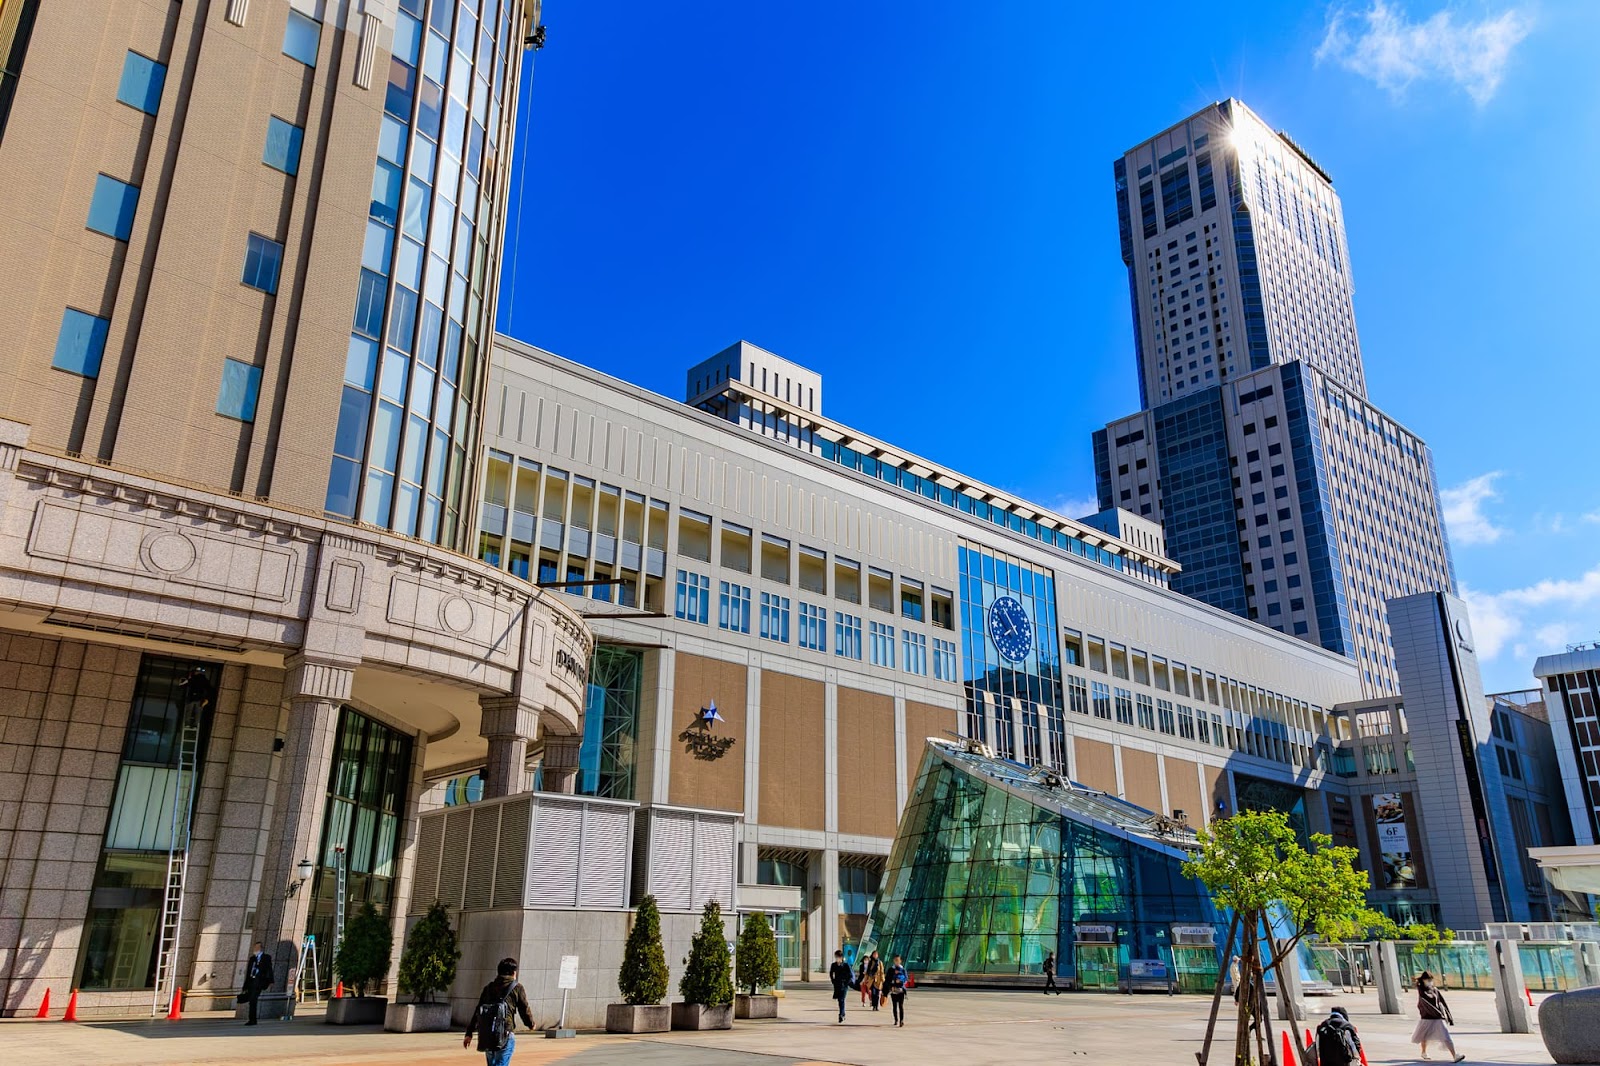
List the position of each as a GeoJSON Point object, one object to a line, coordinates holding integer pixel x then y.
{"type": "Point", "coordinates": [643, 978]}
{"type": "Point", "coordinates": [706, 987]}
{"type": "Point", "coordinates": [427, 966]}
{"type": "Point", "coordinates": [756, 966]}
{"type": "Point", "coordinates": [363, 959]}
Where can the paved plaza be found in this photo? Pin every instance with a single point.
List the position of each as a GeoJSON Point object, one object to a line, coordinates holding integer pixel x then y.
{"type": "Point", "coordinates": [968, 1027]}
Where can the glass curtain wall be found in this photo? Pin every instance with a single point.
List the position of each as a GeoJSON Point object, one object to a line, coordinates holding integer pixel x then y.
{"type": "Point", "coordinates": [366, 802]}
{"type": "Point", "coordinates": [608, 754]}
{"type": "Point", "coordinates": [984, 880]}
{"type": "Point", "coordinates": [122, 927]}
{"type": "Point", "coordinates": [1014, 706]}
{"type": "Point", "coordinates": [424, 302]}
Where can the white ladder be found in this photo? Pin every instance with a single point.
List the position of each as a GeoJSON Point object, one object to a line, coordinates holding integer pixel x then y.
{"type": "Point", "coordinates": [177, 856]}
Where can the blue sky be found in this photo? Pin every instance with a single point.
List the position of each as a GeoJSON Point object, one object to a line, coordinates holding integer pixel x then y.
{"type": "Point", "coordinates": [914, 199]}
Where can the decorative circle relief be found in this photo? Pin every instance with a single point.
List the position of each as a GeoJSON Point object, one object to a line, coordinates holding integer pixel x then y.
{"type": "Point", "coordinates": [455, 614]}
{"type": "Point", "coordinates": [168, 552]}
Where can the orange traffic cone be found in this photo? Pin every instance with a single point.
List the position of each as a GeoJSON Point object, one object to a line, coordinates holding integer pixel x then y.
{"type": "Point", "coordinates": [44, 1005]}
{"type": "Point", "coordinates": [1529, 994]}
{"type": "Point", "coordinates": [72, 1007]}
{"type": "Point", "coordinates": [1289, 1058]}
{"type": "Point", "coordinates": [175, 1011]}
{"type": "Point", "coordinates": [1363, 1057]}
{"type": "Point", "coordinates": [338, 990]}
{"type": "Point", "coordinates": [1308, 1038]}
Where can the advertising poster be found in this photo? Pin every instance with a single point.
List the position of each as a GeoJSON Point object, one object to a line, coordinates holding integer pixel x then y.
{"type": "Point", "coordinates": [1394, 841]}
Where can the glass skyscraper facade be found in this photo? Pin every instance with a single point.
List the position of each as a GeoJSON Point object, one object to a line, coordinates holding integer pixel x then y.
{"type": "Point", "coordinates": [424, 306]}
{"type": "Point", "coordinates": [995, 866]}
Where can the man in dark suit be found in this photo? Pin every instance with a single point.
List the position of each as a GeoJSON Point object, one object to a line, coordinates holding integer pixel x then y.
{"type": "Point", "coordinates": [257, 978]}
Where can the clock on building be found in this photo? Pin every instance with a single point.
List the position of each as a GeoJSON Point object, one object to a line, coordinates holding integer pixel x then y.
{"type": "Point", "coordinates": [1010, 628]}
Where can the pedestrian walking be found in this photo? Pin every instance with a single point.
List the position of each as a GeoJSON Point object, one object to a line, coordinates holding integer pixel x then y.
{"type": "Point", "coordinates": [1337, 1041]}
{"type": "Point", "coordinates": [1433, 1015]}
{"type": "Point", "coordinates": [898, 981]}
{"type": "Point", "coordinates": [841, 978]}
{"type": "Point", "coordinates": [257, 979]}
{"type": "Point", "coordinates": [1050, 974]}
{"type": "Point", "coordinates": [495, 1020]}
{"type": "Point", "coordinates": [1233, 976]}
{"type": "Point", "coordinates": [872, 979]}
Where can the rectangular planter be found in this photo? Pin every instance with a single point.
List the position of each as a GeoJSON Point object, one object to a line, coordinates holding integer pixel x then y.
{"type": "Point", "coordinates": [357, 1010]}
{"type": "Point", "coordinates": [700, 1016]}
{"type": "Point", "coordinates": [645, 1018]}
{"type": "Point", "coordinates": [746, 1006]}
{"type": "Point", "coordinates": [417, 1018]}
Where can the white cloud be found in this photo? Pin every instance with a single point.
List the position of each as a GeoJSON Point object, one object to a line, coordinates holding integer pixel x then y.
{"type": "Point", "coordinates": [1463, 510]}
{"type": "Point", "coordinates": [1392, 51]}
{"type": "Point", "coordinates": [1540, 618]}
{"type": "Point", "coordinates": [1075, 506]}
{"type": "Point", "coordinates": [1592, 516]}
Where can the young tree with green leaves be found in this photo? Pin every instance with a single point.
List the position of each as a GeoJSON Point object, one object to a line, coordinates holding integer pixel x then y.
{"type": "Point", "coordinates": [757, 961]}
{"type": "Point", "coordinates": [1254, 865]}
{"type": "Point", "coordinates": [643, 978]}
{"type": "Point", "coordinates": [365, 951]}
{"type": "Point", "coordinates": [705, 975]}
{"type": "Point", "coordinates": [428, 963]}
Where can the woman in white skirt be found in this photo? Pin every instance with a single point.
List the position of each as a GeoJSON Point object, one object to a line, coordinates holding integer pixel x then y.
{"type": "Point", "coordinates": [1433, 1015]}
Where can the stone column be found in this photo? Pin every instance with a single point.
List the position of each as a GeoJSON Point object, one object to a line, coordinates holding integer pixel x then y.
{"type": "Point", "coordinates": [1291, 1001]}
{"type": "Point", "coordinates": [316, 690]}
{"type": "Point", "coordinates": [510, 724]}
{"type": "Point", "coordinates": [1510, 992]}
{"type": "Point", "coordinates": [1588, 958]}
{"type": "Point", "coordinates": [1386, 972]}
{"type": "Point", "coordinates": [560, 766]}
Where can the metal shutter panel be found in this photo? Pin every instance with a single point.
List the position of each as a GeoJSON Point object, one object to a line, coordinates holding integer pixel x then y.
{"type": "Point", "coordinates": [604, 878]}
{"type": "Point", "coordinates": [672, 860]}
{"type": "Point", "coordinates": [453, 857]}
{"type": "Point", "coordinates": [511, 869]}
{"type": "Point", "coordinates": [713, 863]}
{"type": "Point", "coordinates": [425, 879]}
{"type": "Point", "coordinates": [553, 863]}
{"type": "Point", "coordinates": [481, 858]}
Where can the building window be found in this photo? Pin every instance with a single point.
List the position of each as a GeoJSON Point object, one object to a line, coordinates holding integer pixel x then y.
{"type": "Point", "coordinates": [282, 151]}
{"type": "Point", "coordinates": [1147, 712]}
{"type": "Point", "coordinates": [882, 644]}
{"type": "Point", "coordinates": [1125, 706]}
{"type": "Point", "coordinates": [142, 80]}
{"type": "Point", "coordinates": [241, 383]}
{"type": "Point", "coordinates": [775, 617]}
{"type": "Point", "coordinates": [1186, 722]}
{"type": "Point", "coordinates": [733, 607]}
{"type": "Point", "coordinates": [301, 38]}
{"type": "Point", "coordinates": [1077, 695]}
{"type": "Point", "coordinates": [1102, 700]}
{"type": "Point", "coordinates": [847, 635]}
{"type": "Point", "coordinates": [914, 648]}
{"type": "Point", "coordinates": [1164, 719]}
{"type": "Point", "coordinates": [813, 633]}
{"type": "Point", "coordinates": [693, 597]}
{"type": "Point", "coordinates": [944, 660]}
{"type": "Point", "coordinates": [112, 206]}
{"type": "Point", "coordinates": [262, 258]}
{"type": "Point", "coordinates": [81, 343]}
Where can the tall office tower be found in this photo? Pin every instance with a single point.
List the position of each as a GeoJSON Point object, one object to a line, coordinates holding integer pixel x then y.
{"type": "Point", "coordinates": [254, 247]}
{"type": "Point", "coordinates": [1285, 494]}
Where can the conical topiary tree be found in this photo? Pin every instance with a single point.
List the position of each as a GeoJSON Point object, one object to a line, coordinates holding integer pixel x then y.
{"type": "Point", "coordinates": [757, 961]}
{"type": "Point", "coordinates": [428, 963]}
{"type": "Point", "coordinates": [705, 974]}
{"type": "Point", "coordinates": [365, 951]}
{"type": "Point", "coordinates": [643, 978]}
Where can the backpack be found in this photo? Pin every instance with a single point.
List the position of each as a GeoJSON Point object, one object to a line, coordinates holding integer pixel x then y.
{"type": "Point", "coordinates": [494, 1022]}
{"type": "Point", "coordinates": [1335, 1045]}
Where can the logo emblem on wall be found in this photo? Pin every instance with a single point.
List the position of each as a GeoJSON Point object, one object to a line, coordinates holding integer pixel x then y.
{"type": "Point", "coordinates": [1010, 628]}
{"type": "Point", "coordinates": [700, 741]}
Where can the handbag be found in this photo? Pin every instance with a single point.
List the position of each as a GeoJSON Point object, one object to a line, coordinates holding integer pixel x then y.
{"type": "Point", "coordinates": [246, 994]}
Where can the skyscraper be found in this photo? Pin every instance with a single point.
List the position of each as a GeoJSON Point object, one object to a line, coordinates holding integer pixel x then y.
{"type": "Point", "coordinates": [251, 248]}
{"type": "Point", "coordinates": [1287, 496]}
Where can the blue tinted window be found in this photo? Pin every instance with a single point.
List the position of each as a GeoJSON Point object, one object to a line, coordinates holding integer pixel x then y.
{"type": "Point", "coordinates": [370, 295]}
{"type": "Point", "coordinates": [301, 37]}
{"type": "Point", "coordinates": [283, 146]}
{"type": "Point", "coordinates": [81, 343]}
{"type": "Point", "coordinates": [241, 383]}
{"type": "Point", "coordinates": [111, 209]}
{"type": "Point", "coordinates": [141, 83]}
{"type": "Point", "coordinates": [262, 258]}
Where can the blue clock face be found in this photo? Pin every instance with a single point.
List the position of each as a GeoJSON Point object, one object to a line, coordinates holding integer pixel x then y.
{"type": "Point", "coordinates": [1010, 628]}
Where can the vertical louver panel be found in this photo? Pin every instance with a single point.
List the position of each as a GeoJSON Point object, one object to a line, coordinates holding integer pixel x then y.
{"type": "Point", "coordinates": [672, 860]}
{"type": "Point", "coordinates": [510, 870]}
{"type": "Point", "coordinates": [453, 857]}
{"type": "Point", "coordinates": [481, 857]}
{"type": "Point", "coordinates": [425, 881]}
{"type": "Point", "coordinates": [553, 864]}
{"type": "Point", "coordinates": [605, 858]}
{"type": "Point", "coordinates": [713, 863]}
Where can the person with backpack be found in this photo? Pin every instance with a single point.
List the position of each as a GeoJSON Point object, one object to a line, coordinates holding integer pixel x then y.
{"type": "Point", "coordinates": [1050, 974]}
{"type": "Point", "coordinates": [1433, 1014]}
{"type": "Point", "coordinates": [898, 981]}
{"type": "Point", "coordinates": [495, 1019]}
{"type": "Point", "coordinates": [1337, 1041]}
{"type": "Point", "coordinates": [841, 977]}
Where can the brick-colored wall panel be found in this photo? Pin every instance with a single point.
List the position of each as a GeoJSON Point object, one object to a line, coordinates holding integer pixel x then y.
{"type": "Point", "coordinates": [716, 784]}
{"type": "Point", "coordinates": [1097, 765]}
{"type": "Point", "coordinates": [793, 759]}
{"type": "Point", "coordinates": [866, 763]}
{"type": "Point", "coordinates": [1141, 781]}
